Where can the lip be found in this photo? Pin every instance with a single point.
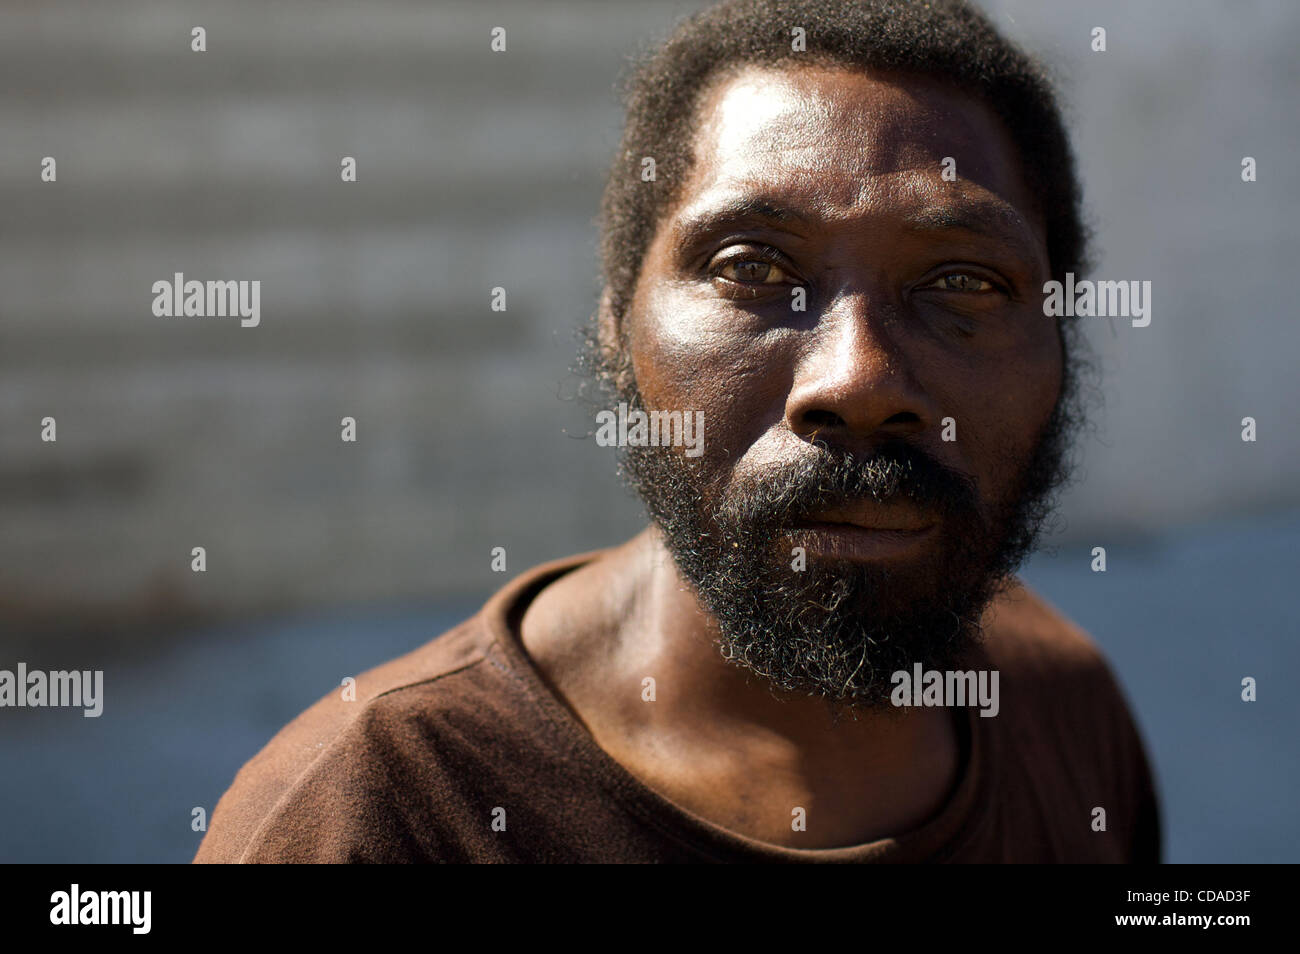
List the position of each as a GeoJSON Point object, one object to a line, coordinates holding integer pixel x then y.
{"type": "Point", "coordinates": [869, 516]}
{"type": "Point", "coordinates": [866, 533]}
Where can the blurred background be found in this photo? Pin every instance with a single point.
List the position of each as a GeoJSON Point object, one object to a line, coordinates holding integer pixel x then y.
{"type": "Point", "coordinates": [477, 169]}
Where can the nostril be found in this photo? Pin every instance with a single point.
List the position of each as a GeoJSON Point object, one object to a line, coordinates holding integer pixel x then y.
{"type": "Point", "coordinates": [903, 417]}
{"type": "Point", "coordinates": [820, 419]}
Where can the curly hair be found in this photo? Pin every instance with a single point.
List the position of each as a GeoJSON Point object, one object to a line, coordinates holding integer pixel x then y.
{"type": "Point", "coordinates": [944, 39]}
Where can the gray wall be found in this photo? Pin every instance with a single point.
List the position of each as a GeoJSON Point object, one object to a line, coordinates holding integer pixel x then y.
{"type": "Point", "coordinates": [478, 169]}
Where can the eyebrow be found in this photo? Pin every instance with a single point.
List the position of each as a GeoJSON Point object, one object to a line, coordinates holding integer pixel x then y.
{"type": "Point", "coordinates": [744, 212]}
{"type": "Point", "coordinates": [985, 217]}
{"type": "Point", "coordinates": [992, 219]}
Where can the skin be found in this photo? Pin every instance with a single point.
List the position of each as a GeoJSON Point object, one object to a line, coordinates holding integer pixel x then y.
{"type": "Point", "coordinates": [924, 302]}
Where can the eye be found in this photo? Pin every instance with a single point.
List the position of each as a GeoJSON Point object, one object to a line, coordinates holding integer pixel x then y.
{"type": "Point", "coordinates": [754, 267]}
{"type": "Point", "coordinates": [963, 282]}
{"type": "Point", "coordinates": [752, 270]}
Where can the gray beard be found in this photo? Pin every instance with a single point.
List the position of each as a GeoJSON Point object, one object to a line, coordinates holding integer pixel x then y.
{"type": "Point", "coordinates": [839, 629]}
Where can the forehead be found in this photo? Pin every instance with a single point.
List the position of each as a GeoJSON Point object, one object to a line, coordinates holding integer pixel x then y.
{"type": "Point", "coordinates": [844, 143]}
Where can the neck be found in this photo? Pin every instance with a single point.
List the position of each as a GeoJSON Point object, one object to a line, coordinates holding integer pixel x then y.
{"type": "Point", "coordinates": [711, 728]}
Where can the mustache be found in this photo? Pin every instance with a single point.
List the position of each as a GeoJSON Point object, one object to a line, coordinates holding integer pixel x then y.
{"type": "Point", "coordinates": [828, 476]}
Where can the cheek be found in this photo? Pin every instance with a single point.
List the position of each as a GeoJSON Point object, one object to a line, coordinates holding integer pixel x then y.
{"type": "Point", "coordinates": [1004, 406]}
{"type": "Point", "coordinates": [687, 358]}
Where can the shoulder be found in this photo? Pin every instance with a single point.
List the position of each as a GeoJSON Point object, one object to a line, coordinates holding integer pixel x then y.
{"type": "Point", "coordinates": [1065, 721]}
{"type": "Point", "coordinates": [1022, 621]}
{"type": "Point", "coordinates": [395, 769]}
{"type": "Point", "coordinates": [1053, 675]}
{"type": "Point", "coordinates": [1036, 645]}
{"type": "Point", "coordinates": [328, 786]}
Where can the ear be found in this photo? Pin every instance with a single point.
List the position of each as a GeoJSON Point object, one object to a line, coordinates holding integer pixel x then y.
{"type": "Point", "coordinates": [609, 338]}
{"type": "Point", "coordinates": [606, 324]}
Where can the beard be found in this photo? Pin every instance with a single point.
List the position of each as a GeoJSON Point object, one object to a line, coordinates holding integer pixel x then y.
{"type": "Point", "coordinates": [839, 628]}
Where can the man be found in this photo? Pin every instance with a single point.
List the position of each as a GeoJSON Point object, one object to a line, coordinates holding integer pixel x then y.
{"type": "Point", "coordinates": [818, 651]}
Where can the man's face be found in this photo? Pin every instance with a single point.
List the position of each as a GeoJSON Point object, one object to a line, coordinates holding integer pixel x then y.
{"type": "Point", "coordinates": [829, 526]}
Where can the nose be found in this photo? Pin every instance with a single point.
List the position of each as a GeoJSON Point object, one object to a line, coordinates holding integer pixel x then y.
{"type": "Point", "coordinates": [854, 384]}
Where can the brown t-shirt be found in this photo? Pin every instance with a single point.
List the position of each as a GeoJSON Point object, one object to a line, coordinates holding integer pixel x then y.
{"type": "Point", "coordinates": [438, 742]}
